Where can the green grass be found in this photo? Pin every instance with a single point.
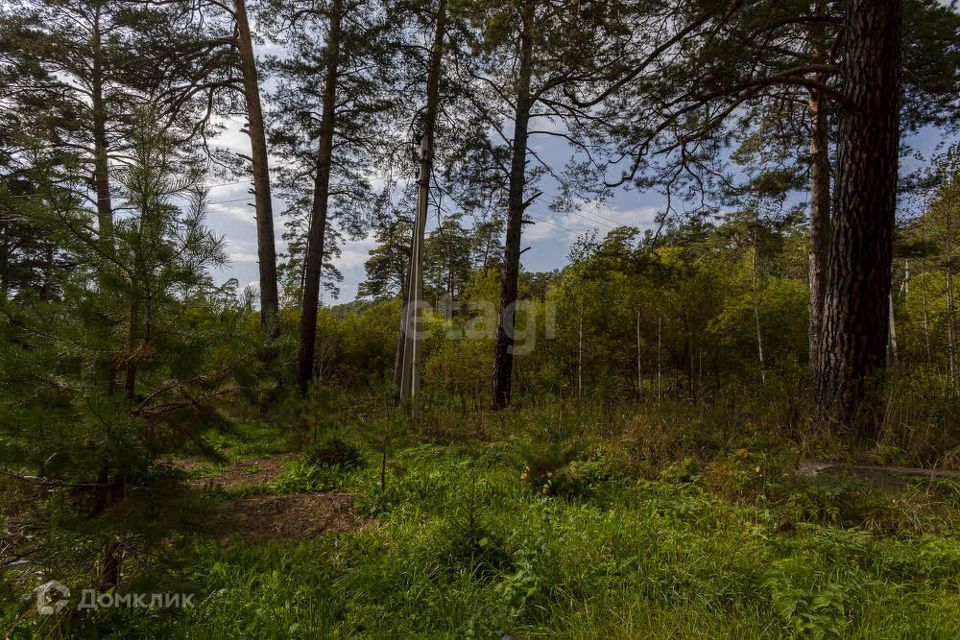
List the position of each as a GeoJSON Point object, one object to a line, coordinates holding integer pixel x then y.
{"type": "Point", "coordinates": [460, 547]}
{"type": "Point", "coordinates": [645, 529]}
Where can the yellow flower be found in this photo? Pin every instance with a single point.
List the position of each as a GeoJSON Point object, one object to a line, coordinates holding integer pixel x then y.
{"type": "Point", "coordinates": [523, 476]}
{"type": "Point", "coordinates": [757, 469]}
{"type": "Point", "coordinates": [549, 474]}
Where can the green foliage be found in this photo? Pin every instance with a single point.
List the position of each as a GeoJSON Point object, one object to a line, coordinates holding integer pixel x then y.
{"type": "Point", "coordinates": [334, 452]}
{"type": "Point", "coordinates": [464, 551]}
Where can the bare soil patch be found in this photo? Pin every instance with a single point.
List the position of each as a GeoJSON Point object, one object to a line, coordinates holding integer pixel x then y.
{"type": "Point", "coordinates": [295, 516]}
{"type": "Point", "coordinates": [239, 474]}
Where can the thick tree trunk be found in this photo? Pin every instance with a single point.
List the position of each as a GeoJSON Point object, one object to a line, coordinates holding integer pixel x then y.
{"type": "Point", "coordinates": [266, 247]}
{"type": "Point", "coordinates": [503, 350]}
{"type": "Point", "coordinates": [409, 328]}
{"type": "Point", "coordinates": [313, 261]}
{"type": "Point", "coordinates": [856, 314]}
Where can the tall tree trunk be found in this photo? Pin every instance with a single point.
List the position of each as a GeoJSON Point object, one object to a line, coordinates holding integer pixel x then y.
{"type": "Point", "coordinates": [313, 261]}
{"type": "Point", "coordinates": [892, 354]}
{"type": "Point", "coordinates": [101, 167]}
{"type": "Point", "coordinates": [46, 289]}
{"type": "Point", "coordinates": [398, 352]}
{"type": "Point", "coordinates": [580, 353]}
{"type": "Point", "coordinates": [639, 369]}
{"type": "Point", "coordinates": [819, 248]}
{"type": "Point", "coordinates": [926, 316]}
{"type": "Point", "coordinates": [756, 313]}
{"type": "Point", "coordinates": [409, 359]}
{"type": "Point", "coordinates": [856, 317]}
{"type": "Point", "coordinates": [819, 243]}
{"type": "Point", "coordinates": [503, 350]}
{"type": "Point", "coordinates": [101, 177]}
{"type": "Point", "coordinates": [951, 309]}
{"type": "Point", "coordinates": [4, 271]}
{"type": "Point", "coordinates": [659, 357]}
{"type": "Point", "coordinates": [133, 357]}
{"type": "Point", "coordinates": [266, 244]}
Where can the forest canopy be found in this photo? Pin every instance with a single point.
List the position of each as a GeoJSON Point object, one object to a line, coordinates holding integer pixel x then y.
{"type": "Point", "coordinates": [765, 286]}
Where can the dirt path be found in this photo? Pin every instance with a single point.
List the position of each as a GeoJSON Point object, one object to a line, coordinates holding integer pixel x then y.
{"type": "Point", "coordinates": [284, 517]}
{"type": "Point", "coordinates": [295, 516]}
{"type": "Point", "coordinates": [239, 474]}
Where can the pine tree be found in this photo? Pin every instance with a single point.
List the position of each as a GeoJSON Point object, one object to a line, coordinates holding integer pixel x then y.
{"type": "Point", "coordinates": [88, 435]}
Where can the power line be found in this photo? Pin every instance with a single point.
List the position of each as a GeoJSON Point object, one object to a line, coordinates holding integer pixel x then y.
{"type": "Point", "coordinates": [552, 224]}
{"type": "Point", "coordinates": [247, 199]}
{"type": "Point", "coordinates": [581, 215]}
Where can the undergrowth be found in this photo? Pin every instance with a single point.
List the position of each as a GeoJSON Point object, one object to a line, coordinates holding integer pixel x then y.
{"type": "Point", "coordinates": [549, 528]}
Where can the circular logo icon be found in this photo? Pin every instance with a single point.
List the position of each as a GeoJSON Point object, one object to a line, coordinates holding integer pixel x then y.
{"type": "Point", "coordinates": [52, 597]}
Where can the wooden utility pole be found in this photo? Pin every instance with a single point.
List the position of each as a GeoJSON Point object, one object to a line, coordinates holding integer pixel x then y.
{"type": "Point", "coordinates": [409, 358]}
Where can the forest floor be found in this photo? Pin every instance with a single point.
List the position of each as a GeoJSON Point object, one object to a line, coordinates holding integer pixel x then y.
{"type": "Point", "coordinates": [278, 517]}
{"type": "Point", "coordinates": [588, 535]}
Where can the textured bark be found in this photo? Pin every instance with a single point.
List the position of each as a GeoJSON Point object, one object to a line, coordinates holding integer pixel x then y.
{"type": "Point", "coordinates": [409, 356]}
{"type": "Point", "coordinates": [819, 247]}
{"type": "Point", "coordinates": [856, 314]}
{"type": "Point", "coordinates": [266, 243]}
{"type": "Point", "coordinates": [101, 167]}
{"type": "Point", "coordinates": [503, 350]}
{"type": "Point", "coordinates": [313, 261]}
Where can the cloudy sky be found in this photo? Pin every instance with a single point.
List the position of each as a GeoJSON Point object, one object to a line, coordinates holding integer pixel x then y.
{"type": "Point", "coordinates": [231, 214]}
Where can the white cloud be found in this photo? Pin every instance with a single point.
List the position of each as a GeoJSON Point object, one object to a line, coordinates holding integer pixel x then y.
{"type": "Point", "coordinates": [589, 215]}
{"type": "Point", "coordinates": [355, 253]}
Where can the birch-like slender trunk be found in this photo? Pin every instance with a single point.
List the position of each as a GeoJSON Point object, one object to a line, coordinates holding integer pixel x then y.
{"type": "Point", "coordinates": [951, 311]}
{"type": "Point", "coordinates": [659, 357]}
{"type": "Point", "coordinates": [756, 313]}
{"type": "Point", "coordinates": [892, 341]}
{"type": "Point", "coordinates": [580, 354]}
{"type": "Point", "coordinates": [639, 368]}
